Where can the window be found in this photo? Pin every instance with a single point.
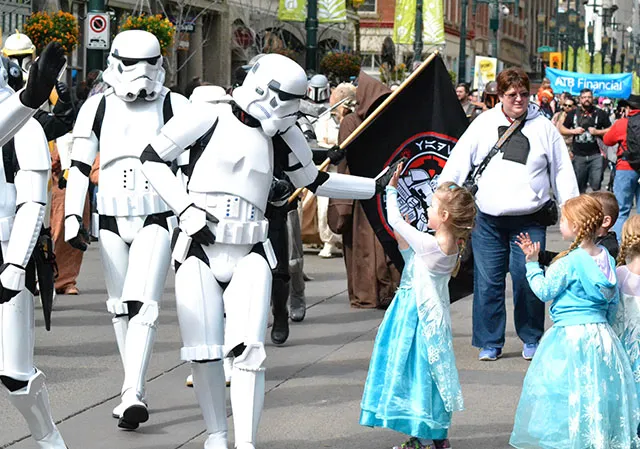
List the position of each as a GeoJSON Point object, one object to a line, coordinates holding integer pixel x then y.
{"type": "Point", "coordinates": [368, 6]}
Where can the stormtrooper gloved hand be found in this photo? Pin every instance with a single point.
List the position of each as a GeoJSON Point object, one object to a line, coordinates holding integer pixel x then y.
{"type": "Point", "coordinates": [43, 76]}
{"type": "Point", "coordinates": [75, 233]}
{"type": "Point", "coordinates": [11, 281]}
{"type": "Point", "coordinates": [336, 154]}
{"type": "Point", "coordinates": [193, 221]}
{"type": "Point", "coordinates": [385, 175]}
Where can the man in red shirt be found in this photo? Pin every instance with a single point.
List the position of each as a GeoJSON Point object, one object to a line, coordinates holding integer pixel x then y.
{"type": "Point", "coordinates": [625, 183]}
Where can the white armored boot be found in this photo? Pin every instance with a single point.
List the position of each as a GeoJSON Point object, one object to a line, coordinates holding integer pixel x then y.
{"type": "Point", "coordinates": [141, 335]}
{"type": "Point", "coordinates": [33, 402]}
{"type": "Point", "coordinates": [247, 400]}
{"type": "Point", "coordinates": [209, 387]}
{"type": "Point", "coordinates": [120, 326]}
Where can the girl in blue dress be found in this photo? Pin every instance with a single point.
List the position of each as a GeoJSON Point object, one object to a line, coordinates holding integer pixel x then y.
{"type": "Point", "coordinates": [579, 392]}
{"type": "Point", "coordinates": [412, 386]}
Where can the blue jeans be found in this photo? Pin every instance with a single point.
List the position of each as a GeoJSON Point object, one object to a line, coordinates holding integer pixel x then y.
{"type": "Point", "coordinates": [496, 253]}
{"type": "Point", "coordinates": [626, 189]}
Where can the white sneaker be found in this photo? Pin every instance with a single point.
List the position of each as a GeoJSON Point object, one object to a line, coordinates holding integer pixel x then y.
{"type": "Point", "coordinates": [327, 251]}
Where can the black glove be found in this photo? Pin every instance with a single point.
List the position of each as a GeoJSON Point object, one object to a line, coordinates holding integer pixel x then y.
{"type": "Point", "coordinates": [63, 92]}
{"type": "Point", "coordinates": [82, 240]}
{"type": "Point", "coordinates": [383, 179]}
{"type": "Point", "coordinates": [6, 294]}
{"type": "Point", "coordinates": [43, 76]}
{"type": "Point", "coordinates": [280, 191]}
{"type": "Point", "coordinates": [203, 236]}
{"type": "Point", "coordinates": [336, 154]}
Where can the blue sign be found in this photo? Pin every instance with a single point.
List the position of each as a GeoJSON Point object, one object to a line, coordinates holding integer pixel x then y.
{"type": "Point", "coordinates": [617, 85]}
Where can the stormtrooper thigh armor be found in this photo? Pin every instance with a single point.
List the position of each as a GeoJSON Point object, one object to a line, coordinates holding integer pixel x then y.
{"type": "Point", "coordinates": [201, 305]}
{"type": "Point", "coordinates": [136, 259]}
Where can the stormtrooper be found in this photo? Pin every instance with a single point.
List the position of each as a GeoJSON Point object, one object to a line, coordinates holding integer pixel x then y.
{"type": "Point", "coordinates": [24, 174]}
{"type": "Point", "coordinates": [133, 220]}
{"type": "Point", "coordinates": [19, 49]}
{"type": "Point", "coordinates": [224, 256]}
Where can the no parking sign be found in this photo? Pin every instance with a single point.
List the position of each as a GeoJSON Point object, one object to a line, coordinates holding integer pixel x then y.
{"type": "Point", "coordinates": [97, 31]}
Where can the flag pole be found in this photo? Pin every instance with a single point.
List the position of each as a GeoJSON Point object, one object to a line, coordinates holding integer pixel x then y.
{"type": "Point", "coordinates": [373, 115]}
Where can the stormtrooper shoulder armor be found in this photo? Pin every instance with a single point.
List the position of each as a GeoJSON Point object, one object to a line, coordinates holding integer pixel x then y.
{"type": "Point", "coordinates": [87, 115]}
{"type": "Point", "coordinates": [32, 150]}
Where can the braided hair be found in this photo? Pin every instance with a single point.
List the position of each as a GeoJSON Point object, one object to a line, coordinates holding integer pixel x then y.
{"type": "Point", "coordinates": [585, 212]}
{"type": "Point", "coordinates": [630, 245]}
{"type": "Point", "coordinates": [460, 205]}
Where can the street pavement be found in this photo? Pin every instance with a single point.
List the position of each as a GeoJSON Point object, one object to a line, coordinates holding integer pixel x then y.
{"type": "Point", "coordinates": [314, 382]}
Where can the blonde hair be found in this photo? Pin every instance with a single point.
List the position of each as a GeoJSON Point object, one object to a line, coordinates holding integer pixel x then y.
{"type": "Point", "coordinates": [630, 245]}
{"type": "Point", "coordinates": [460, 205]}
{"type": "Point", "coordinates": [585, 212]}
{"type": "Point", "coordinates": [342, 91]}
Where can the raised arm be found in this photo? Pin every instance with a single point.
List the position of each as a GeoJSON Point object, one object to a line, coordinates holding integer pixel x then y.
{"type": "Point", "coordinates": [303, 172]}
{"type": "Point", "coordinates": [32, 158]}
{"type": "Point", "coordinates": [420, 242]}
{"type": "Point", "coordinates": [548, 287]}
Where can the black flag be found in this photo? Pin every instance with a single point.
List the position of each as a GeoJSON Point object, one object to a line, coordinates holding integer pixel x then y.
{"type": "Point", "coordinates": [422, 123]}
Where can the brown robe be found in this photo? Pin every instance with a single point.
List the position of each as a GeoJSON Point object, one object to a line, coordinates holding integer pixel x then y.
{"type": "Point", "coordinates": [364, 256]}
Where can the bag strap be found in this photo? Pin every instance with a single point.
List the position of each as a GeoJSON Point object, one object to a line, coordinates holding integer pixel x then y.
{"type": "Point", "coordinates": [496, 148]}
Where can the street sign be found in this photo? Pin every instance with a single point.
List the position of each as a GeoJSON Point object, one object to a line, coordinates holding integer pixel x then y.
{"type": "Point", "coordinates": [546, 49]}
{"type": "Point", "coordinates": [97, 31]}
{"type": "Point", "coordinates": [555, 60]}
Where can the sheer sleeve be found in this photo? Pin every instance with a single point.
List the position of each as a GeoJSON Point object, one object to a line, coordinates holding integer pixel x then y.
{"type": "Point", "coordinates": [406, 254]}
{"type": "Point", "coordinates": [420, 242]}
{"type": "Point", "coordinates": [548, 287]}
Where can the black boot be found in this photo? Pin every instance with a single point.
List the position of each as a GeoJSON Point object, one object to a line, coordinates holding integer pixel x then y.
{"type": "Point", "coordinates": [279, 296]}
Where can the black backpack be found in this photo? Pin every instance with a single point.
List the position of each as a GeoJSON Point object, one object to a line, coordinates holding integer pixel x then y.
{"type": "Point", "coordinates": [632, 153]}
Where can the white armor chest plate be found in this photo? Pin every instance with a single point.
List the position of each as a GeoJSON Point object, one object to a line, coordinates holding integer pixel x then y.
{"type": "Point", "coordinates": [126, 130]}
{"type": "Point", "coordinates": [237, 161]}
{"type": "Point", "coordinates": [7, 203]}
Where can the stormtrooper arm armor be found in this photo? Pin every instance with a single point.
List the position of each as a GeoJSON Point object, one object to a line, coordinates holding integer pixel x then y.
{"type": "Point", "coordinates": [14, 116]}
{"type": "Point", "coordinates": [303, 173]}
{"type": "Point", "coordinates": [173, 139]}
{"type": "Point", "coordinates": [83, 154]}
{"type": "Point", "coordinates": [31, 180]}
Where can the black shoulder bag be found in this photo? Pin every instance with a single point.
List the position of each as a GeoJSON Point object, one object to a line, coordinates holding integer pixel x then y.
{"type": "Point", "coordinates": [471, 183]}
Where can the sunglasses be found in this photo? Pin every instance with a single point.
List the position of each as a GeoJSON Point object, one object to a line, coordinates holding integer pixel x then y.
{"type": "Point", "coordinates": [569, 105]}
{"type": "Point", "coordinates": [522, 95]}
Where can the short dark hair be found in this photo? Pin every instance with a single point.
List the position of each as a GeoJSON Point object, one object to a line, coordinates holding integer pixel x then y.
{"type": "Point", "coordinates": [609, 204]}
{"type": "Point", "coordinates": [466, 87]}
{"type": "Point", "coordinates": [512, 77]}
{"type": "Point", "coordinates": [585, 90]}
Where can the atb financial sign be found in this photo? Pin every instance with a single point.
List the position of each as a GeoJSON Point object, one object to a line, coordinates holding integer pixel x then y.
{"type": "Point", "coordinates": [617, 85]}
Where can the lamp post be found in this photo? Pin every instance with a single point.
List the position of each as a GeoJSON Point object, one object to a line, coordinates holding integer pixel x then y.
{"type": "Point", "coordinates": [494, 21]}
{"type": "Point", "coordinates": [541, 19]}
{"type": "Point", "coordinates": [591, 45]}
{"type": "Point", "coordinates": [604, 49]}
{"type": "Point", "coordinates": [312, 35]}
{"type": "Point", "coordinates": [462, 56]}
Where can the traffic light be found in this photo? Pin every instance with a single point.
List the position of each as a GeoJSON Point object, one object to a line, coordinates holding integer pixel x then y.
{"type": "Point", "coordinates": [555, 60]}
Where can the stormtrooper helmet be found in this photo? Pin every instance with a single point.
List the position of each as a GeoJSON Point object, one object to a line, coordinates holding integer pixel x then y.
{"type": "Point", "coordinates": [318, 90]}
{"type": "Point", "coordinates": [271, 92]}
{"type": "Point", "coordinates": [19, 49]}
{"type": "Point", "coordinates": [134, 66]}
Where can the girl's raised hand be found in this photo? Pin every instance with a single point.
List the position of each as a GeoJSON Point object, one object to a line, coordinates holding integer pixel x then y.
{"type": "Point", "coordinates": [396, 175]}
{"type": "Point", "coordinates": [530, 249]}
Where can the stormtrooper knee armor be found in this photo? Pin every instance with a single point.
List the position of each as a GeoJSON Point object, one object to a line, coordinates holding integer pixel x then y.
{"type": "Point", "coordinates": [134, 228]}
{"type": "Point", "coordinates": [23, 187]}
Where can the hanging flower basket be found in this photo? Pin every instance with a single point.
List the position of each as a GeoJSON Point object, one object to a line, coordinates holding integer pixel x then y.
{"type": "Point", "coordinates": [340, 67]}
{"type": "Point", "coordinates": [159, 26]}
{"type": "Point", "coordinates": [44, 27]}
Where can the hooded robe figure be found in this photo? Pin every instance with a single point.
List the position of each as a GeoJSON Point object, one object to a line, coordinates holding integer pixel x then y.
{"type": "Point", "coordinates": [364, 256]}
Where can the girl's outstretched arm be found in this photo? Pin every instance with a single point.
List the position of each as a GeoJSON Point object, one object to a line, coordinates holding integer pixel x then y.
{"type": "Point", "coordinates": [419, 241]}
{"type": "Point", "coordinates": [548, 287]}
